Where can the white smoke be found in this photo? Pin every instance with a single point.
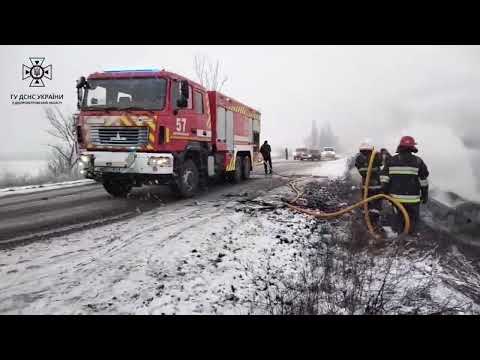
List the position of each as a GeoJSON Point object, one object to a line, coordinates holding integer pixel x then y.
{"type": "Point", "coordinates": [447, 158]}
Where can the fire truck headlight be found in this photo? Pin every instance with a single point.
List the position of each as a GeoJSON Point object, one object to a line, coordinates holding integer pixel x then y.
{"type": "Point", "coordinates": [160, 161]}
{"type": "Point", "coordinates": [85, 161]}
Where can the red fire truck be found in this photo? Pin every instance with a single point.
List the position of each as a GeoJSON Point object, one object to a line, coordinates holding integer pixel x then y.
{"type": "Point", "coordinates": [147, 126]}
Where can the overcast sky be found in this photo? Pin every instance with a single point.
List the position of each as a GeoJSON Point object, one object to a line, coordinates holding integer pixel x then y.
{"type": "Point", "coordinates": [379, 92]}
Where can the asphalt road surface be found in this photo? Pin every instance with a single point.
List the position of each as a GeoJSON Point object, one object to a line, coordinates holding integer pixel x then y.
{"type": "Point", "coordinates": [28, 217]}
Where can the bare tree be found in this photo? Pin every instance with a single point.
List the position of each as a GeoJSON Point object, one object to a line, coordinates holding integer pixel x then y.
{"type": "Point", "coordinates": [63, 156]}
{"type": "Point", "coordinates": [312, 140]}
{"type": "Point", "coordinates": [327, 137]}
{"type": "Point", "coordinates": [209, 73]}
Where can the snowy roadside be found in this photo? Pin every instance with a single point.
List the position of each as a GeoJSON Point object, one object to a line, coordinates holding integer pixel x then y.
{"type": "Point", "coordinates": [43, 187]}
{"type": "Point", "coordinates": [332, 169]}
{"type": "Point", "coordinates": [192, 261]}
{"type": "Point", "coordinates": [237, 255]}
{"type": "Point", "coordinates": [220, 258]}
{"type": "Point", "coordinates": [188, 258]}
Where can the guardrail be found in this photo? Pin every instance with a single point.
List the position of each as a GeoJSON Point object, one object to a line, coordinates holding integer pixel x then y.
{"type": "Point", "coordinates": [463, 220]}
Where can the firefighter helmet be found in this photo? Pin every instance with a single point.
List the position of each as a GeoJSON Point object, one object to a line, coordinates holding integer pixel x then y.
{"type": "Point", "coordinates": [408, 142]}
{"type": "Point", "coordinates": [366, 145]}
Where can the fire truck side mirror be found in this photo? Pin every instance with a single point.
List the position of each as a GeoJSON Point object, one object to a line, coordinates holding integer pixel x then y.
{"type": "Point", "coordinates": [184, 89]}
{"type": "Point", "coordinates": [81, 85]}
{"type": "Point", "coordinates": [81, 82]}
{"type": "Point", "coordinates": [182, 102]}
{"type": "Point", "coordinates": [79, 97]}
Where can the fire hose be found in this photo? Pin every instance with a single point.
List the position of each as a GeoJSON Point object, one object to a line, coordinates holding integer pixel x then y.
{"type": "Point", "coordinates": [322, 215]}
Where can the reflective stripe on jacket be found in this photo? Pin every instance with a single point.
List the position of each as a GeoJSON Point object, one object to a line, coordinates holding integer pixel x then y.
{"type": "Point", "coordinates": [405, 177]}
{"type": "Point", "coordinates": [408, 199]}
{"type": "Point", "coordinates": [361, 163]}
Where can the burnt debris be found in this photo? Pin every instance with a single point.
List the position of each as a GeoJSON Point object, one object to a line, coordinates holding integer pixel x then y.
{"type": "Point", "coordinates": [327, 197]}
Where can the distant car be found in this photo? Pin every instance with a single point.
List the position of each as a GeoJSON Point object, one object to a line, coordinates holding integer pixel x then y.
{"type": "Point", "coordinates": [328, 153]}
{"type": "Point", "coordinates": [305, 156]}
{"type": "Point", "coordinates": [297, 155]}
{"type": "Point", "coordinates": [316, 155]}
{"type": "Point", "coordinates": [313, 155]}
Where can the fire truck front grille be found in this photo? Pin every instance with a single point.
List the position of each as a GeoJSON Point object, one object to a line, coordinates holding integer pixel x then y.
{"type": "Point", "coordinates": [118, 136]}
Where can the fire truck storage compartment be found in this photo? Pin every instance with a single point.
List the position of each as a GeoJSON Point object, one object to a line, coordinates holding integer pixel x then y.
{"type": "Point", "coordinates": [221, 121]}
{"type": "Point", "coordinates": [256, 134]}
{"type": "Point", "coordinates": [225, 127]}
{"type": "Point", "coordinates": [229, 130]}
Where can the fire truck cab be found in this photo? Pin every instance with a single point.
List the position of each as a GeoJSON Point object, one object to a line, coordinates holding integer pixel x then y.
{"type": "Point", "coordinates": [147, 126]}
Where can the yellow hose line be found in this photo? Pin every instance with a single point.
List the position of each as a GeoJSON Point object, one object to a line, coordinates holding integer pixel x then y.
{"type": "Point", "coordinates": [292, 184]}
{"type": "Point", "coordinates": [364, 202]}
{"type": "Point", "coordinates": [366, 213]}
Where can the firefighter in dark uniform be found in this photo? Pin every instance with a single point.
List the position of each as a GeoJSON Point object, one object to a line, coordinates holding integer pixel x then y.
{"type": "Point", "coordinates": [265, 150]}
{"type": "Point", "coordinates": [375, 187]}
{"type": "Point", "coordinates": [385, 155]}
{"type": "Point", "coordinates": [405, 178]}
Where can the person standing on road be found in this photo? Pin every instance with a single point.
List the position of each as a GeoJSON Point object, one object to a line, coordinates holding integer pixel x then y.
{"type": "Point", "coordinates": [374, 187]}
{"type": "Point", "coordinates": [286, 153]}
{"type": "Point", "coordinates": [405, 178]}
{"type": "Point", "coordinates": [265, 150]}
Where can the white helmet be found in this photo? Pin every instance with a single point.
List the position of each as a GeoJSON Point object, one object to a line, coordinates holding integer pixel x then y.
{"type": "Point", "coordinates": [366, 145]}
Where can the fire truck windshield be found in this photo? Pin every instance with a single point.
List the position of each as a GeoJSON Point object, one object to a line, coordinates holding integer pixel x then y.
{"type": "Point", "coordinates": [133, 93]}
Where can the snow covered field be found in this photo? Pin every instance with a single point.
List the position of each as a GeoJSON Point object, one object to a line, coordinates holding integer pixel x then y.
{"type": "Point", "coordinates": [22, 167]}
{"type": "Point", "coordinates": [236, 255]}
{"type": "Point", "coordinates": [36, 188]}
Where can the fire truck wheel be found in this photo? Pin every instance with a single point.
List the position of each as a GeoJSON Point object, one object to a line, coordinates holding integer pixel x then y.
{"type": "Point", "coordinates": [246, 167]}
{"type": "Point", "coordinates": [188, 182]}
{"type": "Point", "coordinates": [237, 174]}
{"type": "Point", "coordinates": [117, 188]}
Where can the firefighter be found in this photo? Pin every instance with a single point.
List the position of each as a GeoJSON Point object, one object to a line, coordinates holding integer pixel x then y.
{"type": "Point", "coordinates": [375, 187]}
{"type": "Point", "coordinates": [265, 150]}
{"type": "Point", "coordinates": [385, 155]}
{"type": "Point", "coordinates": [405, 177]}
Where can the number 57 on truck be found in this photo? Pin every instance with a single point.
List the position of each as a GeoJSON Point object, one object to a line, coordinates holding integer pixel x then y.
{"type": "Point", "coordinates": [147, 126]}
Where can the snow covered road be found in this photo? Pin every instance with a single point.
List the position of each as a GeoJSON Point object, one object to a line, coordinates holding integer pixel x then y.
{"type": "Point", "coordinates": [183, 254]}
{"type": "Point", "coordinates": [221, 253]}
{"type": "Point", "coordinates": [29, 214]}
{"type": "Point", "coordinates": [189, 259]}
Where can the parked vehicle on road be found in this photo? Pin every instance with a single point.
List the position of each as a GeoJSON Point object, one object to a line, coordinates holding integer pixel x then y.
{"type": "Point", "coordinates": [311, 154]}
{"type": "Point", "coordinates": [328, 153]}
{"type": "Point", "coordinates": [297, 155]}
{"type": "Point", "coordinates": [316, 155]}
